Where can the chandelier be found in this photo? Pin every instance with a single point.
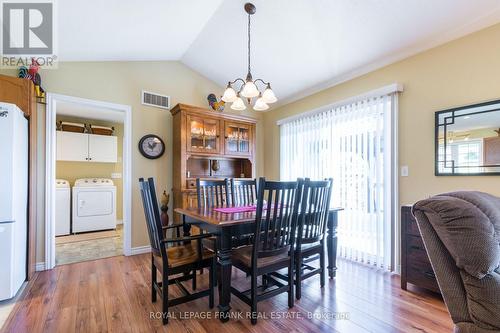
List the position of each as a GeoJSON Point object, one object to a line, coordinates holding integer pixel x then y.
{"type": "Point", "coordinates": [248, 88]}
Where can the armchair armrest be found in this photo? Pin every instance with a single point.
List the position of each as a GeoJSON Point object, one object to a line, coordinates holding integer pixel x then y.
{"type": "Point", "coordinates": [198, 239]}
{"type": "Point", "coordinates": [167, 227]}
{"type": "Point", "coordinates": [171, 226]}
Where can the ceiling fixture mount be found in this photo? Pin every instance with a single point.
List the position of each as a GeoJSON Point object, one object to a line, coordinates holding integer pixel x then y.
{"type": "Point", "coordinates": [248, 88]}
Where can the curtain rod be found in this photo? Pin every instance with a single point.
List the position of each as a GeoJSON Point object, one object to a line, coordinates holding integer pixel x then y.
{"type": "Point", "coordinates": [386, 90]}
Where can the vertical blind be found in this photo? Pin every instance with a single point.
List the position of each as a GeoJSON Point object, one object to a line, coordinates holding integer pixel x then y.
{"type": "Point", "coordinates": [349, 143]}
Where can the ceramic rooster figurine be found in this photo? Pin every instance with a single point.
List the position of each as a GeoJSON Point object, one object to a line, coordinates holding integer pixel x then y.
{"type": "Point", "coordinates": [32, 74]}
{"type": "Point", "coordinates": [214, 104]}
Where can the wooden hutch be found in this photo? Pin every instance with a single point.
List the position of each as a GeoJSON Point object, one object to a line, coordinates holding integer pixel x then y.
{"type": "Point", "coordinates": [209, 144]}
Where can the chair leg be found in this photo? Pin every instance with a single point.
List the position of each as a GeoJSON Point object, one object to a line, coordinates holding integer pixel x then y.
{"type": "Point", "coordinates": [322, 267]}
{"type": "Point", "coordinates": [253, 308]}
{"type": "Point", "coordinates": [290, 283]}
{"type": "Point", "coordinates": [153, 280]}
{"type": "Point", "coordinates": [164, 292]}
{"type": "Point", "coordinates": [298, 276]}
{"type": "Point", "coordinates": [211, 282]}
{"type": "Point", "coordinates": [201, 232]}
{"type": "Point", "coordinates": [194, 279]}
{"type": "Point", "coordinates": [265, 281]}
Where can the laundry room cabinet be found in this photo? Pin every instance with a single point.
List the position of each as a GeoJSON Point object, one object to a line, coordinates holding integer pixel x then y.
{"type": "Point", "coordinates": [80, 147]}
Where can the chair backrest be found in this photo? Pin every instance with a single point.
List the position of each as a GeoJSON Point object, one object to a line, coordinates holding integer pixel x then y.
{"type": "Point", "coordinates": [152, 214]}
{"type": "Point", "coordinates": [243, 192]}
{"type": "Point", "coordinates": [212, 193]}
{"type": "Point", "coordinates": [313, 216]}
{"type": "Point", "coordinates": [276, 218]}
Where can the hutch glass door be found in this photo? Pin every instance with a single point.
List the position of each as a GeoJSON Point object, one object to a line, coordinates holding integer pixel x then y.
{"type": "Point", "coordinates": [237, 139]}
{"type": "Point", "coordinates": [203, 135]}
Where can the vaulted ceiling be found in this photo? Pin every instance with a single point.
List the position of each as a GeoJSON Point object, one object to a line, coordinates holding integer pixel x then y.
{"type": "Point", "coordinates": [300, 46]}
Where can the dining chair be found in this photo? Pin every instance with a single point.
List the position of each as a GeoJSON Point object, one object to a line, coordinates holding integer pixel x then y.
{"type": "Point", "coordinates": [211, 193]}
{"type": "Point", "coordinates": [311, 234]}
{"type": "Point", "coordinates": [243, 191]}
{"type": "Point", "coordinates": [273, 246]}
{"type": "Point", "coordinates": [181, 260]}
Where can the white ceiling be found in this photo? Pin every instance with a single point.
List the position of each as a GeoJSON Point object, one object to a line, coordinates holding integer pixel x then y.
{"type": "Point", "coordinates": [88, 112]}
{"type": "Point", "coordinates": [96, 30]}
{"type": "Point", "coordinates": [301, 46]}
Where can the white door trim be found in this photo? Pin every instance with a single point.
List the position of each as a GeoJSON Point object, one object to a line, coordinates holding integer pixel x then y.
{"type": "Point", "coordinates": [50, 171]}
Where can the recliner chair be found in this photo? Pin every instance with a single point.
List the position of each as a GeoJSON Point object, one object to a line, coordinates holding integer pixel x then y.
{"type": "Point", "coordinates": [461, 232]}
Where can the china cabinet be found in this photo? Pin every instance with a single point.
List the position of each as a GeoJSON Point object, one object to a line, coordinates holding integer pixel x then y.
{"type": "Point", "coordinates": [208, 144]}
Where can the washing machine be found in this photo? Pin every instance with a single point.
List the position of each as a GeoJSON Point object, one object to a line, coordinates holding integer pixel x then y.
{"type": "Point", "coordinates": [63, 207]}
{"type": "Point", "coordinates": [94, 205]}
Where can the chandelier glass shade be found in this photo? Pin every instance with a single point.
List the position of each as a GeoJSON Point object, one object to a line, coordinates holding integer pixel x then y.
{"type": "Point", "coordinates": [238, 104]}
{"type": "Point", "coordinates": [248, 88]}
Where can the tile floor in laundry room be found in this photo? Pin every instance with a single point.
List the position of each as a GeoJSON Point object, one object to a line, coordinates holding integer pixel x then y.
{"type": "Point", "coordinates": [89, 246]}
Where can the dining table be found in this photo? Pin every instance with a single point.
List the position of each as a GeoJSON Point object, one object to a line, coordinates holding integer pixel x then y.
{"type": "Point", "coordinates": [226, 225]}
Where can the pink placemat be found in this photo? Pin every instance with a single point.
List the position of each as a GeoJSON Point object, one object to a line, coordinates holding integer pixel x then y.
{"type": "Point", "coordinates": [240, 209]}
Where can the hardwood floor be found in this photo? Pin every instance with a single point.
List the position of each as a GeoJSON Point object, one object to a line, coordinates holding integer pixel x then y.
{"type": "Point", "coordinates": [113, 295]}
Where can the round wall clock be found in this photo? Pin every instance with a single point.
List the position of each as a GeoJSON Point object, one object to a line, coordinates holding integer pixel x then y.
{"type": "Point", "coordinates": [151, 146]}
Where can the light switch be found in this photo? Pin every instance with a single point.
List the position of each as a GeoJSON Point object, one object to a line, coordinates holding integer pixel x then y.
{"type": "Point", "coordinates": [404, 171]}
{"type": "Point", "coordinates": [116, 175]}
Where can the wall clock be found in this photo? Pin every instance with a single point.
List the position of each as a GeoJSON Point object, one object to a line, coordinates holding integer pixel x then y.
{"type": "Point", "coordinates": [151, 146]}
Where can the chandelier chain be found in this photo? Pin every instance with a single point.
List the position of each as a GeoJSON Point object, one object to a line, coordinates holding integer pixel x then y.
{"type": "Point", "coordinates": [249, 43]}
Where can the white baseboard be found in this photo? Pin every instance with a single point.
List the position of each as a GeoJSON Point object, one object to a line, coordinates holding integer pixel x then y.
{"type": "Point", "coordinates": [40, 266]}
{"type": "Point", "coordinates": [140, 250]}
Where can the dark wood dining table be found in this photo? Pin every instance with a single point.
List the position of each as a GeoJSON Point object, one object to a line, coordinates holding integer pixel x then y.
{"type": "Point", "coordinates": [226, 225]}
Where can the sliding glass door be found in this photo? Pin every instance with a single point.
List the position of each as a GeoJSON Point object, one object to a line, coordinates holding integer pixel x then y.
{"type": "Point", "coordinates": [355, 145]}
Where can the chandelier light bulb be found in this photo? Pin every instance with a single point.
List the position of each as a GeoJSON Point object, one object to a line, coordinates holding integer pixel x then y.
{"type": "Point", "coordinates": [229, 95]}
{"type": "Point", "coordinates": [238, 104]}
{"type": "Point", "coordinates": [260, 105]}
{"type": "Point", "coordinates": [268, 96]}
{"type": "Point", "coordinates": [250, 90]}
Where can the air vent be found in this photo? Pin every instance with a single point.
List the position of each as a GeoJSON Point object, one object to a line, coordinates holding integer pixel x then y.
{"type": "Point", "coordinates": [154, 99]}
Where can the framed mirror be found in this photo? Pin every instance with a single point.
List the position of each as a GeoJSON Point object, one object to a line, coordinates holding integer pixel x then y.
{"type": "Point", "coordinates": [467, 140]}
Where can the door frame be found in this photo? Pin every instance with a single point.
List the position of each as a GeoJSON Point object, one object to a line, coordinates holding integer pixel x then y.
{"type": "Point", "coordinates": [50, 170]}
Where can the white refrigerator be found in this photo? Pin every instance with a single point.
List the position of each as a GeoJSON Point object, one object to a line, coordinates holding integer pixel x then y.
{"type": "Point", "coordinates": [13, 199]}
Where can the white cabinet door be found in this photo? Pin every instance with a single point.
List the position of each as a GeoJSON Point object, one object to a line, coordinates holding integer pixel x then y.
{"type": "Point", "coordinates": [102, 148]}
{"type": "Point", "coordinates": [72, 146]}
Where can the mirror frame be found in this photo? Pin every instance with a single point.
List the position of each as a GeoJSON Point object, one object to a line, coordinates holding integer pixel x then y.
{"type": "Point", "coordinates": [452, 116]}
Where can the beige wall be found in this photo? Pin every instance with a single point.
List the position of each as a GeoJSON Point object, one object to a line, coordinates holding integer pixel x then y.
{"type": "Point", "coordinates": [122, 82]}
{"type": "Point", "coordinates": [72, 171]}
{"type": "Point", "coordinates": [462, 72]}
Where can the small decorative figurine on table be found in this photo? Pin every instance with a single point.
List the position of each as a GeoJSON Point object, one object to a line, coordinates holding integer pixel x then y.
{"type": "Point", "coordinates": [165, 198]}
{"type": "Point", "coordinates": [215, 104]}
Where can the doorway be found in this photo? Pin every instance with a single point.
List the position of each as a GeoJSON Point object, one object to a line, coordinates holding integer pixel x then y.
{"type": "Point", "coordinates": [88, 180]}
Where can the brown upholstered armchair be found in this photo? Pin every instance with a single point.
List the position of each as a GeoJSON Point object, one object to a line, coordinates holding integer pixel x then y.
{"type": "Point", "coordinates": [461, 232]}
